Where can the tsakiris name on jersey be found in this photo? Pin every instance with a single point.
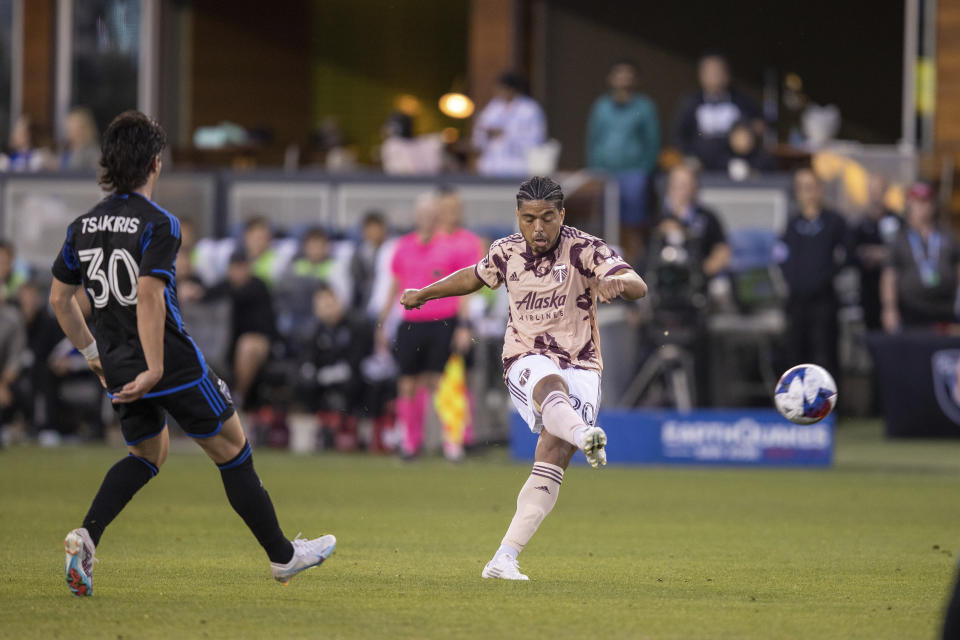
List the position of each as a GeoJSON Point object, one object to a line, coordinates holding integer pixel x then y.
{"type": "Point", "coordinates": [550, 306]}
{"type": "Point", "coordinates": [113, 224]}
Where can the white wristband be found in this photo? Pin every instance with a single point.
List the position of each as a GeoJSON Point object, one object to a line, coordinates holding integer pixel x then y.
{"type": "Point", "coordinates": [90, 351]}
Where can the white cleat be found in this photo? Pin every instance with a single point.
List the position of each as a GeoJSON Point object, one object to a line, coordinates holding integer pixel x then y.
{"type": "Point", "coordinates": [306, 554]}
{"type": "Point", "coordinates": [79, 562]}
{"type": "Point", "coordinates": [593, 442]}
{"type": "Point", "coordinates": [504, 567]}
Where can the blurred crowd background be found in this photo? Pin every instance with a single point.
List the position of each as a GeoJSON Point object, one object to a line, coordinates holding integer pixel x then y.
{"type": "Point", "coordinates": [783, 178]}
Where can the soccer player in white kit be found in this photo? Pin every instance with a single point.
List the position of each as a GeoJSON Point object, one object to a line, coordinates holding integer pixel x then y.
{"type": "Point", "coordinates": [554, 275]}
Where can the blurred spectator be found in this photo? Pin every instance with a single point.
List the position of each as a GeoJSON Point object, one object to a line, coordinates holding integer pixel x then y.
{"type": "Point", "coordinates": [508, 128]}
{"type": "Point", "coordinates": [815, 242]}
{"type": "Point", "coordinates": [325, 141]}
{"type": "Point", "coordinates": [706, 118]}
{"type": "Point", "coordinates": [702, 230]}
{"type": "Point", "coordinates": [330, 382]}
{"type": "Point", "coordinates": [265, 262]}
{"type": "Point", "coordinates": [623, 138]}
{"type": "Point", "coordinates": [745, 156]}
{"type": "Point", "coordinates": [314, 264]}
{"type": "Point", "coordinates": [13, 344]}
{"type": "Point", "coordinates": [79, 396]}
{"type": "Point", "coordinates": [270, 256]}
{"type": "Point", "coordinates": [188, 235]}
{"type": "Point", "coordinates": [79, 393]}
{"type": "Point", "coordinates": [402, 153]}
{"type": "Point", "coordinates": [315, 261]}
{"type": "Point", "coordinates": [425, 336]}
{"type": "Point", "coordinates": [253, 325]}
{"type": "Point", "coordinates": [919, 284]}
{"type": "Point", "coordinates": [872, 238]}
{"type": "Point", "coordinates": [190, 287]}
{"type": "Point", "coordinates": [363, 261]}
{"type": "Point", "coordinates": [35, 389]}
{"type": "Point", "coordinates": [82, 150]}
{"type": "Point", "coordinates": [10, 276]}
{"type": "Point", "coordinates": [23, 154]}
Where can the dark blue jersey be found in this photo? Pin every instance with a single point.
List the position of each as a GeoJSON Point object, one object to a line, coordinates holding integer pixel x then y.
{"type": "Point", "coordinates": [107, 249]}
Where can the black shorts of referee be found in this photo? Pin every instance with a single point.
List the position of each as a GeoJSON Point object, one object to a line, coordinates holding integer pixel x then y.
{"type": "Point", "coordinates": [424, 347]}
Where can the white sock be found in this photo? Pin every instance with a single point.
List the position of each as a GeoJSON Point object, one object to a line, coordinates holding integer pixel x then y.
{"type": "Point", "coordinates": [560, 419]}
{"type": "Point", "coordinates": [507, 550]}
{"type": "Point", "coordinates": [536, 500]}
{"type": "Point", "coordinates": [578, 435]}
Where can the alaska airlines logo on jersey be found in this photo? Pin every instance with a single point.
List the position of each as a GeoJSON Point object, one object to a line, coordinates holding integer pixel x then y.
{"type": "Point", "coordinates": [114, 224]}
{"type": "Point", "coordinates": [532, 301]}
{"type": "Point", "coordinates": [560, 272]}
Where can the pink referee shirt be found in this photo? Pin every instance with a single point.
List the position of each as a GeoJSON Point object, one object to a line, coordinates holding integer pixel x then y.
{"type": "Point", "coordinates": [466, 245]}
{"type": "Point", "coordinates": [416, 264]}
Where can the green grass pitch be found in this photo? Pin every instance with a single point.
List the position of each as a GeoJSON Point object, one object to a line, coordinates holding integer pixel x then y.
{"type": "Point", "coordinates": [865, 550]}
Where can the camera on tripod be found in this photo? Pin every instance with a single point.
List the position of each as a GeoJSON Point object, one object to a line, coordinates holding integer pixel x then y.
{"type": "Point", "coordinates": [678, 285]}
{"type": "Point", "coordinates": [678, 303]}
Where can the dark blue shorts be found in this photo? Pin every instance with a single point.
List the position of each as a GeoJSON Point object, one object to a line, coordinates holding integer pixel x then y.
{"type": "Point", "coordinates": [200, 410]}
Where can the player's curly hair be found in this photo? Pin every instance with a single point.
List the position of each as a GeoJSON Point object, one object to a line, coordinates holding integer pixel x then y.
{"type": "Point", "coordinates": [129, 146]}
{"type": "Point", "coordinates": [540, 188]}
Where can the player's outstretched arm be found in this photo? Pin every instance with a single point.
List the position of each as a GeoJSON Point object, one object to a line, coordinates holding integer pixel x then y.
{"type": "Point", "coordinates": [458, 283]}
{"type": "Point", "coordinates": [626, 284]}
{"type": "Point", "coordinates": [65, 307]}
{"type": "Point", "coordinates": [151, 318]}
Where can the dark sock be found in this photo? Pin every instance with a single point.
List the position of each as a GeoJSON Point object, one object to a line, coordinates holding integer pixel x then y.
{"type": "Point", "coordinates": [252, 503]}
{"type": "Point", "coordinates": [122, 481]}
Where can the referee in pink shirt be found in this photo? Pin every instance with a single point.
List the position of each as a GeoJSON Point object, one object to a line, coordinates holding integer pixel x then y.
{"type": "Point", "coordinates": [425, 336]}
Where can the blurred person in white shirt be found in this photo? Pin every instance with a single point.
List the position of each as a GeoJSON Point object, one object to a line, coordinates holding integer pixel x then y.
{"type": "Point", "coordinates": [508, 128]}
{"type": "Point", "coordinates": [403, 153]}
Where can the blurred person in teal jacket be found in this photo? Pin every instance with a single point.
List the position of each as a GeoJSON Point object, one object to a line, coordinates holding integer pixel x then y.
{"type": "Point", "coordinates": [623, 139]}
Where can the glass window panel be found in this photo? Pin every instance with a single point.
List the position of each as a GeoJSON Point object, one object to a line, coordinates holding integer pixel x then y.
{"type": "Point", "coordinates": [106, 50]}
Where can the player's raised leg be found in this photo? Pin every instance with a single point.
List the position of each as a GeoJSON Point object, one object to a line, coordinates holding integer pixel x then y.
{"type": "Point", "coordinates": [563, 421]}
{"type": "Point", "coordinates": [121, 482]}
{"type": "Point", "coordinates": [231, 451]}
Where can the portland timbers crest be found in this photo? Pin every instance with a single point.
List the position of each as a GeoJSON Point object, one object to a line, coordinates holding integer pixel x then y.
{"type": "Point", "coordinates": [560, 272]}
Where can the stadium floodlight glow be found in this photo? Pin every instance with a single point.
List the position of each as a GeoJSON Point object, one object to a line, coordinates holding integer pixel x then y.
{"type": "Point", "coordinates": [456, 105]}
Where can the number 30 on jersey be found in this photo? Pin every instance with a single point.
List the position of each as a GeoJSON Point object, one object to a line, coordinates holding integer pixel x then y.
{"type": "Point", "coordinates": [106, 279]}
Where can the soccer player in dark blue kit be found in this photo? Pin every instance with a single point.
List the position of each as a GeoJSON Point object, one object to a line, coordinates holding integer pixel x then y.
{"type": "Point", "coordinates": [122, 254]}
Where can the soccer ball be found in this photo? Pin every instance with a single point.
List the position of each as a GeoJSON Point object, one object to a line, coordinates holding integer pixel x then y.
{"type": "Point", "coordinates": [805, 394]}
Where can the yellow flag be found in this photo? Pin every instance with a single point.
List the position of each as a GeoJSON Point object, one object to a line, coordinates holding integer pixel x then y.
{"type": "Point", "coordinates": [450, 400]}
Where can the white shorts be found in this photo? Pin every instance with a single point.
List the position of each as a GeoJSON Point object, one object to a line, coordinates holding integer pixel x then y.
{"type": "Point", "coordinates": [526, 372]}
